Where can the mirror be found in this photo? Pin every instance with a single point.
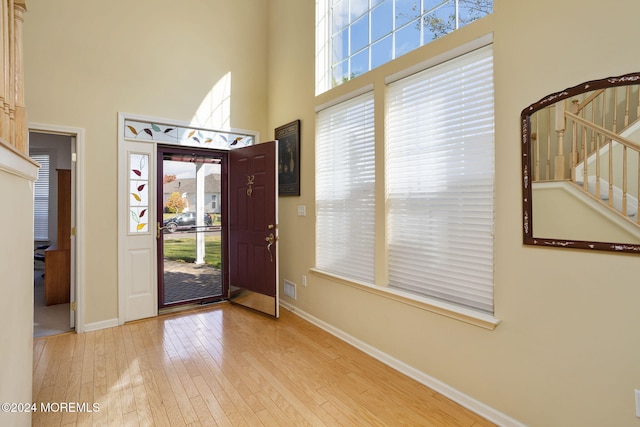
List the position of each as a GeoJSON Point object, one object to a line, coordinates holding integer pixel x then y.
{"type": "Point", "coordinates": [580, 163]}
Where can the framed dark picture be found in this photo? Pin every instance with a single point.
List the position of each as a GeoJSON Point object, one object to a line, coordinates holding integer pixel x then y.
{"type": "Point", "coordinates": [288, 137]}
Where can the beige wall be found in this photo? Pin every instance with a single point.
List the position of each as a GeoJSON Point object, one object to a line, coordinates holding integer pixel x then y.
{"type": "Point", "coordinates": [16, 287]}
{"type": "Point", "coordinates": [87, 61]}
{"type": "Point", "coordinates": [567, 350]}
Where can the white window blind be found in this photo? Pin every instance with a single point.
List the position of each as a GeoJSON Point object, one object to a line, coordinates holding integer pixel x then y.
{"type": "Point", "coordinates": [345, 180]}
{"type": "Point", "coordinates": [41, 199]}
{"type": "Point", "coordinates": [439, 163]}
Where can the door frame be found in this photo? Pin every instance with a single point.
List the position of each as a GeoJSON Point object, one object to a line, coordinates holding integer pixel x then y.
{"type": "Point", "coordinates": [147, 132]}
{"type": "Point", "coordinates": [77, 213]}
{"type": "Point", "coordinates": [223, 155]}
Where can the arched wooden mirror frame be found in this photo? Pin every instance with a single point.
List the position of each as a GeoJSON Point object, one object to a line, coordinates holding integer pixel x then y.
{"type": "Point", "coordinates": [567, 117]}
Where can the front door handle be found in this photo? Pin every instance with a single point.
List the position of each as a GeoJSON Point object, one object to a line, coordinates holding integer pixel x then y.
{"type": "Point", "coordinates": [159, 229]}
{"type": "Point", "coordinates": [270, 239]}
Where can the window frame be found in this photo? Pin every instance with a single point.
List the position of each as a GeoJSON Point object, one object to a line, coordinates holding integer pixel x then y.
{"type": "Point", "coordinates": [333, 39]}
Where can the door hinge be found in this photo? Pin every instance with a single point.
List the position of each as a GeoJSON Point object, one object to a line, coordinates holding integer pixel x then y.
{"type": "Point", "coordinates": [73, 306]}
{"type": "Point", "coordinates": [74, 157]}
{"type": "Point", "coordinates": [73, 231]}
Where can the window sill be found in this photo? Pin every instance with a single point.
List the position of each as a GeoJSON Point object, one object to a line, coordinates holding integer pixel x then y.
{"type": "Point", "coordinates": [442, 308]}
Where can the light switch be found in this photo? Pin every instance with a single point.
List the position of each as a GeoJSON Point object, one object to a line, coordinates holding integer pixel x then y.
{"type": "Point", "coordinates": [302, 210]}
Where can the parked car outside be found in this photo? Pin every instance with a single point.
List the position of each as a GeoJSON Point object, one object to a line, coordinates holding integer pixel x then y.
{"type": "Point", "coordinates": [185, 221]}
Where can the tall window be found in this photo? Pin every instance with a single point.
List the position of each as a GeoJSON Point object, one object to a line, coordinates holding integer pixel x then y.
{"type": "Point", "coordinates": [439, 163]}
{"type": "Point", "coordinates": [355, 36]}
{"type": "Point", "coordinates": [41, 199]}
{"type": "Point", "coordinates": [439, 185]}
{"type": "Point", "coordinates": [345, 187]}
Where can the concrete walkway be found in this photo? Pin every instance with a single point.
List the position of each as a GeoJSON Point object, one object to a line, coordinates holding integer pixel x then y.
{"type": "Point", "coordinates": [188, 281]}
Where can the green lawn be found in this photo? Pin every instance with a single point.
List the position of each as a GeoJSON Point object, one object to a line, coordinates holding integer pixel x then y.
{"type": "Point", "coordinates": [185, 250]}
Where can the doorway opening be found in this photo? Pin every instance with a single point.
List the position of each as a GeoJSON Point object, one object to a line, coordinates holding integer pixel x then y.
{"type": "Point", "coordinates": [192, 232]}
{"type": "Point", "coordinates": [248, 262]}
{"type": "Point", "coordinates": [53, 221]}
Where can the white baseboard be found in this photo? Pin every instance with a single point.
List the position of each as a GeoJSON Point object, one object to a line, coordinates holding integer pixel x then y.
{"type": "Point", "coordinates": [110, 323]}
{"type": "Point", "coordinates": [468, 402]}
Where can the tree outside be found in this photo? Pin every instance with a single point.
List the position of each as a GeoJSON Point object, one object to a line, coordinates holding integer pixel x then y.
{"type": "Point", "coordinates": [175, 203]}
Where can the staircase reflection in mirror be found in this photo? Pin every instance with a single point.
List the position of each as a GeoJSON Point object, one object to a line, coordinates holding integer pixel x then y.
{"type": "Point", "coordinates": [580, 162]}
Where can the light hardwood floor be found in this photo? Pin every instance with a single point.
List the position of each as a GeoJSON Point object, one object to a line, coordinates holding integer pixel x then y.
{"type": "Point", "coordinates": [227, 365]}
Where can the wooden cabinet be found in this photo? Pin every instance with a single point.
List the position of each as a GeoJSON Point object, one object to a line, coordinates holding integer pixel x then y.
{"type": "Point", "coordinates": [57, 258]}
{"type": "Point", "coordinates": [57, 275]}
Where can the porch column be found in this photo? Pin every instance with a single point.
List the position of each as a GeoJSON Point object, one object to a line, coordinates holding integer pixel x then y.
{"type": "Point", "coordinates": [200, 170]}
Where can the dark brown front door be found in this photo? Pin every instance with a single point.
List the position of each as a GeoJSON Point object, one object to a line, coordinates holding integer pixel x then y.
{"type": "Point", "coordinates": [253, 262]}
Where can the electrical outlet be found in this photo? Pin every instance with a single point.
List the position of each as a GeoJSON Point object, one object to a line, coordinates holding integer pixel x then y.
{"type": "Point", "coordinates": [637, 403]}
{"type": "Point", "coordinates": [302, 210]}
{"type": "Point", "coordinates": [304, 280]}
